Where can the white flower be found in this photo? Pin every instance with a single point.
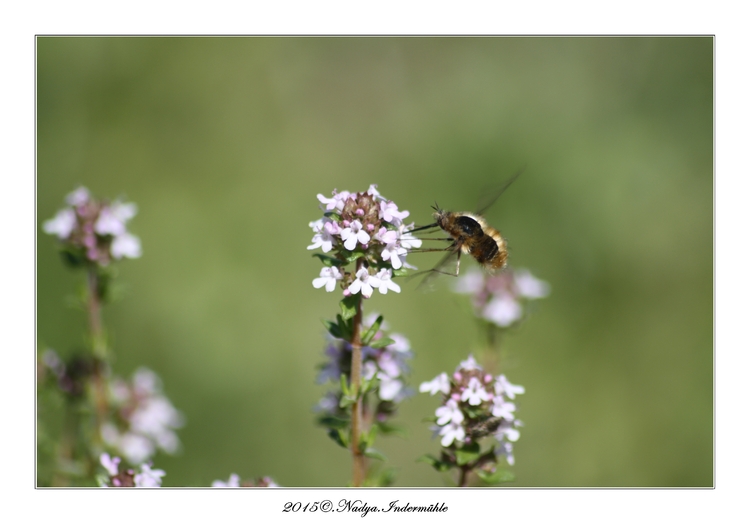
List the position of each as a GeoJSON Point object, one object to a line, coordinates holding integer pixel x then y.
{"type": "Point", "coordinates": [501, 408]}
{"type": "Point", "coordinates": [529, 286]}
{"type": "Point", "coordinates": [475, 393]}
{"type": "Point", "coordinates": [406, 239]}
{"type": "Point", "coordinates": [112, 218]}
{"type": "Point", "coordinates": [506, 449]}
{"type": "Point", "coordinates": [384, 282]}
{"type": "Point", "coordinates": [390, 213]}
{"type": "Point", "coordinates": [439, 383]}
{"type": "Point", "coordinates": [111, 464]}
{"type": "Point", "coordinates": [400, 343]}
{"type": "Point", "coordinates": [389, 387]}
{"type": "Point", "coordinates": [325, 230]}
{"type": "Point", "coordinates": [126, 245]}
{"type": "Point", "coordinates": [62, 225]}
{"type": "Point", "coordinates": [469, 364]}
{"type": "Point", "coordinates": [148, 478]}
{"type": "Point", "coordinates": [233, 482]}
{"type": "Point", "coordinates": [135, 447]}
{"type": "Point", "coordinates": [78, 197]}
{"type": "Point", "coordinates": [328, 278]}
{"type": "Point", "coordinates": [507, 430]}
{"type": "Point", "coordinates": [337, 202]}
{"type": "Point", "coordinates": [502, 386]}
{"type": "Point", "coordinates": [350, 235]}
{"type": "Point", "coordinates": [373, 191]}
{"type": "Point", "coordinates": [450, 433]}
{"type": "Point", "coordinates": [364, 283]}
{"type": "Point", "coordinates": [470, 283]}
{"type": "Point", "coordinates": [450, 412]}
{"type": "Point", "coordinates": [503, 310]}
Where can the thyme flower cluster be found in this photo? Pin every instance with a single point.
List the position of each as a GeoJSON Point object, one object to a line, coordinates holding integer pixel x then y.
{"type": "Point", "coordinates": [94, 231]}
{"type": "Point", "coordinates": [128, 477]}
{"type": "Point", "coordinates": [475, 405]}
{"type": "Point", "coordinates": [384, 364]}
{"type": "Point", "coordinates": [367, 226]}
{"type": "Point", "coordinates": [144, 419]}
{"type": "Point", "coordinates": [500, 298]}
{"type": "Point", "coordinates": [235, 482]}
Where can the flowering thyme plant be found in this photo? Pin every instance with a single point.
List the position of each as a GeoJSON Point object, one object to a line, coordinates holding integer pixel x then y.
{"type": "Point", "coordinates": [367, 231]}
{"type": "Point", "coordinates": [474, 405]}
{"type": "Point", "coordinates": [102, 412]}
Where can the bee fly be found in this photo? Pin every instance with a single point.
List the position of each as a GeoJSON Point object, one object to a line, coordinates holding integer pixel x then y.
{"type": "Point", "coordinates": [470, 234]}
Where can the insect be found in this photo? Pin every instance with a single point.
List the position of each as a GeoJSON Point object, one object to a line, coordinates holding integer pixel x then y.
{"type": "Point", "coordinates": [470, 234]}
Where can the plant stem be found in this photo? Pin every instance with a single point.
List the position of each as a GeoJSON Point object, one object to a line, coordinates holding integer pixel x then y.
{"type": "Point", "coordinates": [358, 473]}
{"type": "Point", "coordinates": [99, 348]}
{"type": "Point", "coordinates": [463, 480]}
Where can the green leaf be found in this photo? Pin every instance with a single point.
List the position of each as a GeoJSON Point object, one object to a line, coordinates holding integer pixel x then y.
{"type": "Point", "coordinates": [344, 385]}
{"type": "Point", "coordinates": [400, 272]}
{"type": "Point", "coordinates": [345, 326]}
{"type": "Point", "coordinates": [354, 255]}
{"type": "Point", "coordinates": [329, 261]}
{"type": "Point", "coordinates": [367, 438]}
{"type": "Point", "coordinates": [367, 385]}
{"type": "Point", "coordinates": [333, 329]}
{"type": "Point", "coordinates": [500, 475]}
{"type": "Point", "coordinates": [467, 454]}
{"type": "Point", "coordinates": [435, 462]}
{"type": "Point", "coordinates": [386, 428]}
{"type": "Point", "coordinates": [332, 215]}
{"type": "Point", "coordinates": [382, 342]}
{"type": "Point", "coordinates": [333, 422]}
{"type": "Point", "coordinates": [349, 306]}
{"type": "Point", "coordinates": [367, 337]}
{"type": "Point", "coordinates": [374, 454]}
{"type": "Point", "coordinates": [340, 437]}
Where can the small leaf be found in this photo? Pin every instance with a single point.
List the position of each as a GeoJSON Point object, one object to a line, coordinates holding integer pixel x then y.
{"type": "Point", "coordinates": [349, 306]}
{"type": "Point", "coordinates": [332, 328]}
{"type": "Point", "coordinates": [400, 272]}
{"type": "Point", "coordinates": [332, 215]}
{"type": "Point", "coordinates": [368, 385]}
{"type": "Point", "coordinates": [339, 437]}
{"type": "Point", "coordinates": [382, 342]}
{"type": "Point", "coordinates": [386, 428]}
{"type": "Point", "coordinates": [435, 462]}
{"type": "Point", "coordinates": [367, 337]}
{"type": "Point", "coordinates": [333, 422]}
{"type": "Point", "coordinates": [354, 255]}
{"type": "Point", "coordinates": [344, 384]}
{"type": "Point", "coordinates": [500, 475]}
{"type": "Point", "coordinates": [345, 326]}
{"type": "Point", "coordinates": [329, 261]}
{"type": "Point", "coordinates": [467, 454]}
{"type": "Point", "coordinates": [375, 454]}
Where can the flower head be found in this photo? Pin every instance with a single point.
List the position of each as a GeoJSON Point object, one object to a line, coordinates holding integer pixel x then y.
{"type": "Point", "coordinates": [146, 419]}
{"type": "Point", "coordinates": [474, 406]}
{"type": "Point", "coordinates": [363, 227]}
{"type": "Point", "coordinates": [501, 298]}
{"type": "Point", "coordinates": [94, 231]}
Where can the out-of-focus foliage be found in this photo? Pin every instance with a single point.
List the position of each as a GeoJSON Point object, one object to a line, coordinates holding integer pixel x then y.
{"type": "Point", "coordinates": [224, 142]}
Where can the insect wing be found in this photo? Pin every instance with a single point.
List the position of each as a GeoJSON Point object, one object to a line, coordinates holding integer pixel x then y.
{"type": "Point", "coordinates": [492, 196]}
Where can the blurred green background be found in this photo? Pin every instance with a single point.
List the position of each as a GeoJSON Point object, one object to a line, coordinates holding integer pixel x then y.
{"type": "Point", "coordinates": [224, 142]}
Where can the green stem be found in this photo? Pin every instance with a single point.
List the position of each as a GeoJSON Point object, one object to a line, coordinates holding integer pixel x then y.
{"type": "Point", "coordinates": [359, 467]}
{"type": "Point", "coordinates": [99, 349]}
